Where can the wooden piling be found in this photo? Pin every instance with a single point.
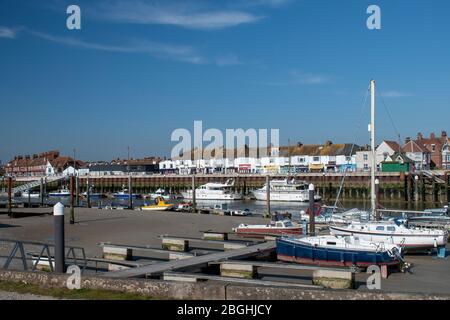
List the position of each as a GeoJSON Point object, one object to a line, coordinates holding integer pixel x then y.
{"type": "Point", "coordinates": [10, 182]}
{"type": "Point", "coordinates": [72, 198]}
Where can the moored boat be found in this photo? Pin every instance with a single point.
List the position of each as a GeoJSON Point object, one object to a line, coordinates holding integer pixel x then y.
{"type": "Point", "coordinates": [125, 195]}
{"type": "Point", "coordinates": [214, 191]}
{"type": "Point", "coordinates": [30, 194]}
{"type": "Point", "coordinates": [410, 239]}
{"type": "Point", "coordinates": [274, 228]}
{"type": "Point", "coordinates": [337, 251]}
{"type": "Point", "coordinates": [160, 205]}
{"type": "Point", "coordinates": [159, 193]}
{"type": "Point", "coordinates": [285, 191]}
{"type": "Point", "coordinates": [60, 193]}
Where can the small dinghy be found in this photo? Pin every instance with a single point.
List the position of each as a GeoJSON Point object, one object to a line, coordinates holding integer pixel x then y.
{"type": "Point", "coordinates": [337, 251]}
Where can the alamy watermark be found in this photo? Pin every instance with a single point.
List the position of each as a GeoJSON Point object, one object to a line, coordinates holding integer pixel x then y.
{"type": "Point", "coordinates": [191, 146]}
{"type": "Point", "coordinates": [374, 20]}
{"type": "Point", "coordinates": [73, 22]}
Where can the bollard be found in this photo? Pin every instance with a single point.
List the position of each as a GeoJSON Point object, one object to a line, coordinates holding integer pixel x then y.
{"type": "Point", "coordinates": [312, 221]}
{"type": "Point", "coordinates": [58, 217]}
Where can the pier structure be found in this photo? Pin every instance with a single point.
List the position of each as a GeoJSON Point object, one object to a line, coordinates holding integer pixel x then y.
{"type": "Point", "coordinates": [414, 187]}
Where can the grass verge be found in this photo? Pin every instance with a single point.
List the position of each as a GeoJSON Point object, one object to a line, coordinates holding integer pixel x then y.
{"type": "Point", "coordinates": [64, 293]}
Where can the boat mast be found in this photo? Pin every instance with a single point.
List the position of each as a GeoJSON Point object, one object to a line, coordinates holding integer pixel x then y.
{"type": "Point", "coordinates": [374, 160]}
{"type": "Point", "coordinates": [290, 163]}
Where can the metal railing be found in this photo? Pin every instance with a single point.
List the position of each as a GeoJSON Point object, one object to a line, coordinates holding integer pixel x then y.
{"type": "Point", "coordinates": [43, 254]}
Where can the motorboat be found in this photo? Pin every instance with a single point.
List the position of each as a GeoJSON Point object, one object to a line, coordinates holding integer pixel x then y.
{"type": "Point", "coordinates": [159, 205]}
{"type": "Point", "coordinates": [60, 193]}
{"type": "Point", "coordinates": [410, 239]}
{"type": "Point", "coordinates": [124, 194]}
{"type": "Point", "coordinates": [274, 228]}
{"type": "Point", "coordinates": [184, 207]}
{"type": "Point", "coordinates": [242, 213]}
{"type": "Point", "coordinates": [214, 191]}
{"type": "Point", "coordinates": [30, 194]}
{"type": "Point", "coordinates": [285, 190]}
{"type": "Point", "coordinates": [159, 193]}
{"type": "Point", "coordinates": [345, 251]}
{"type": "Point", "coordinates": [434, 218]}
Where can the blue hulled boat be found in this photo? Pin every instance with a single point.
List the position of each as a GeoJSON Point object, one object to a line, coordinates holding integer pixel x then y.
{"type": "Point", "coordinates": [337, 251]}
{"type": "Point", "coordinates": [124, 195]}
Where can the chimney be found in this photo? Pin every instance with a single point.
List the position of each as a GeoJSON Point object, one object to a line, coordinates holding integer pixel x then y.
{"type": "Point", "coordinates": [328, 143]}
{"type": "Point", "coordinates": [419, 136]}
{"type": "Point", "coordinates": [444, 134]}
{"type": "Point", "coordinates": [299, 144]}
{"type": "Point", "coordinates": [432, 136]}
{"type": "Point", "coordinates": [407, 140]}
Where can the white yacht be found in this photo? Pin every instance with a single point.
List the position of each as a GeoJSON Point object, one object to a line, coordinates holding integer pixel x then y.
{"type": "Point", "coordinates": [284, 190]}
{"type": "Point", "coordinates": [214, 191]}
{"type": "Point", "coordinates": [389, 232]}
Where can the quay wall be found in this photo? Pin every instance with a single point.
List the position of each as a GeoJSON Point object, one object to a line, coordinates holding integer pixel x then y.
{"type": "Point", "coordinates": [206, 291]}
{"type": "Point", "coordinates": [393, 186]}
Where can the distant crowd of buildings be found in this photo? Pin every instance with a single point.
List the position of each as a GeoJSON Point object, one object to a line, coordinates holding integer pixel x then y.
{"type": "Point", "coordinates": [421, 153]}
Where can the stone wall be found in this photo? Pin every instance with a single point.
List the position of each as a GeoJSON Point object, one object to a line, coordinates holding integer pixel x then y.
{"type": "Point", "coordinates": [206, 291]}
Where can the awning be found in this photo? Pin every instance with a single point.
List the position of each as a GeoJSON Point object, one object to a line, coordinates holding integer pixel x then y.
{"type": "Point", "coordinates": [316, 166]}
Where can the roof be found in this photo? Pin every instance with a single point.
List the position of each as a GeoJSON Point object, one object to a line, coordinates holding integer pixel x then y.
{"type": "Point", "coordinates": [346, 149]}
{"type": "Point", "coordinates": [393, 145]}
{"type": "Point", "coordinates": [415, 146]}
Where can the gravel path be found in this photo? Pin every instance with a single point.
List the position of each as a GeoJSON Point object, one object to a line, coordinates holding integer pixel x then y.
{"type": "Point", "coordinates": [4, 295]}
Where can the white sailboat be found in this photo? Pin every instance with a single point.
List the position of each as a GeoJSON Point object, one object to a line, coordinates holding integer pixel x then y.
{"type": "Point", "coordinates": [285, 190]}
{"type": "Point", "coordinates": [389, 232]}
{"type": "Point", "coordinates": [214, 191]}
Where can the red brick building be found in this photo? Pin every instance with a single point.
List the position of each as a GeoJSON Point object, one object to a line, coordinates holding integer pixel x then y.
{"type": "Point", "coordinates": [438, 146]}
{"type": "Point", "coordinates": [43, 164]}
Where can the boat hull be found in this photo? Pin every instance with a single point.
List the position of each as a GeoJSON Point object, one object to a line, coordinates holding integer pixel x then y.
{"type": "Point", "coordinates": [157, 208]}
{"type": "Point", "coordinates": [302, 196]}
{"type": "Point", "coordinates": [406, 241]}
{"type": "Point", "coordinates": [262, 232]}
{"type": "Point", "coordinates": [212, 196]}
{"type": "Point", "coordinates": [303, 253]}
{"type": "Point", "coordinates": [126, 196]}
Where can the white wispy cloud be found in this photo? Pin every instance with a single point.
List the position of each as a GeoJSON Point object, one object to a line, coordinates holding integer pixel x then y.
{"type": "Point", "coordinates": [395, 94]}
{"type": "Point", "coordinates": [300, 78]}
{"type": "Point", "coordinates": [8, 33]}
{"type": "Point", "coordinates": [182, 14]}
{"type": "Point", "coordinates": [160, 50]}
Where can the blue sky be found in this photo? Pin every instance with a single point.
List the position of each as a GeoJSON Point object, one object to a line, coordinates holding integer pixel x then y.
{"type": "Point", "coordinates": [139, 69]}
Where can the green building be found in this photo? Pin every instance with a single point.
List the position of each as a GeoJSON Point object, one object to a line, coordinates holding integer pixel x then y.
{"type": "Point", "coordinates": [397, 163]}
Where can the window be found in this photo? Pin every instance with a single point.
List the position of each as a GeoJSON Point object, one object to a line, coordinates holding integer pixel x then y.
{"type": "Point", "coordinates": [390, 229]}
{"type": "Point", "coordinates": [316, 159]}
{"type": "Point", "coordinates": [380, 228]}
{"type": "Point", "coordinates": [366, 166]}
{"type": "Point", "coordinates": [366, 157]}
{"type": "Point", "coordinates": [433, 147]}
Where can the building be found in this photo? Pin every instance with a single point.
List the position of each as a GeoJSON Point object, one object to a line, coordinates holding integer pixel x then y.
{"type": "Point", "coordinates": [438, 148]}
{"type": "Point", "coordinates": [398, 162]}
{"type": "Point", "coordinates": [418, 154]}
{"type": "Point", "coordinates": [386, 149]}
{"type": "Point", "coordinates": [126, 167]}
{"type": "Point", "coordinates": [44, 164]}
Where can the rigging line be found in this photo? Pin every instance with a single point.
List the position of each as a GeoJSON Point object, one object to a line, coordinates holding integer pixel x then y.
{"type": "Point", "coordinates": [390, 116]}
{"type": "Point", "coordinates": [358, 126]}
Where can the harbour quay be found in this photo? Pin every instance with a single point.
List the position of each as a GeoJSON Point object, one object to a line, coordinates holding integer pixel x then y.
{"type": "Point", "coordinates": [195, 269]}
{"type": "Point", "coordinates": [393, 186]}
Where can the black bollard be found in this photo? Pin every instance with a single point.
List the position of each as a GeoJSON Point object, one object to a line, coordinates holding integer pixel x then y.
{"type": "Point", "coordinates": [58, 218]}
